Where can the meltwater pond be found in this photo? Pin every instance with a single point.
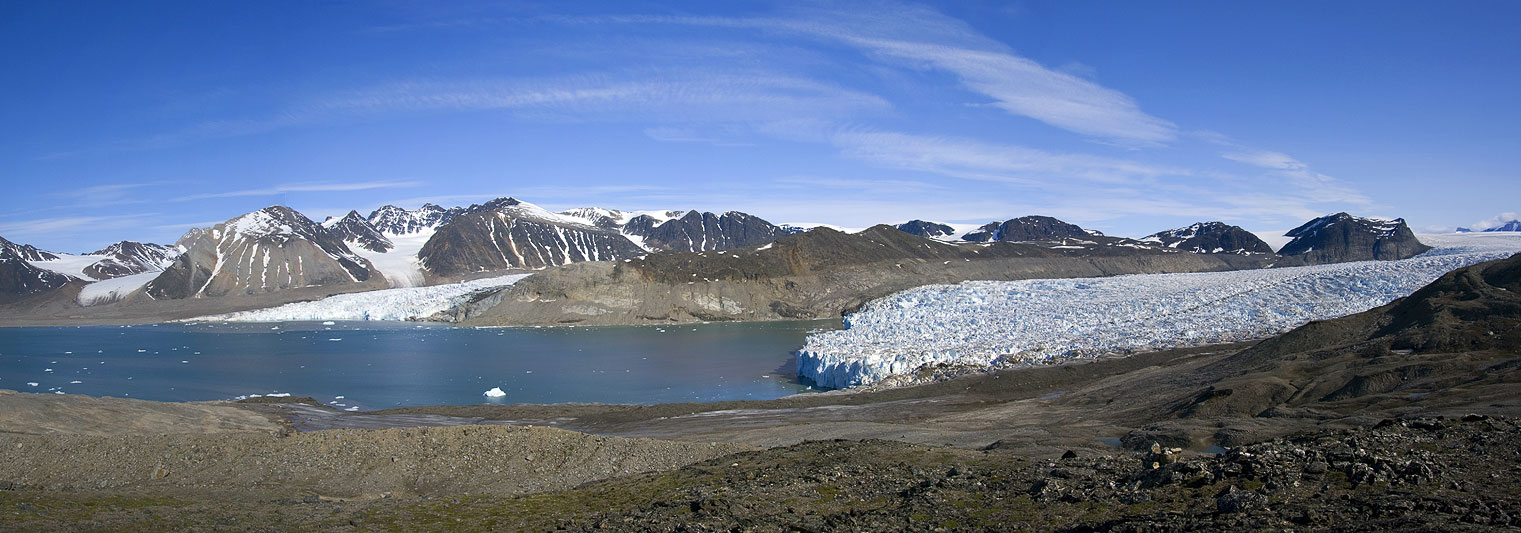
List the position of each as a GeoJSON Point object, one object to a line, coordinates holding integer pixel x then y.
{"type": "Point", "coordinates": [376, 365]}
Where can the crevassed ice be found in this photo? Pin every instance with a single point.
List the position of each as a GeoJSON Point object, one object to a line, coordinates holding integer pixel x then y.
{"type": "Point", "coordinates": [999, 323]}
{"type": "Point", "coordinates": [389, 304]}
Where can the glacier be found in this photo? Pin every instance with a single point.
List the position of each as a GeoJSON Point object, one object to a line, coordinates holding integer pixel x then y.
{"type": "Point", "coordinates": [410, 303]}
{"type": "Point", "coordinates": [998, 324]}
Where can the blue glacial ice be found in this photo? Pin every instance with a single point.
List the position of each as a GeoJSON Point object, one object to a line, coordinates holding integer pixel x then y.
{"type": "Point", "coordinates": [993, 324]}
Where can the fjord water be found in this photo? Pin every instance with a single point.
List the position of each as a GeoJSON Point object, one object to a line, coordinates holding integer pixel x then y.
{"type": "Point", "coordinates": [376, 365]}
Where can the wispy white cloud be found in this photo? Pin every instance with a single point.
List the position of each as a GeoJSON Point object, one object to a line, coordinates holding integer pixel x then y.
{"type": "Point", "coordinates": [53, 227]}
{"type": "Point", "coordinates": [924, 38]}
{"type": "Point", "coordinates": [976, 160]}
{"type": "Point", "coordinates": [1494, 221]}
{"type": "Point", "coordinates": [887, 186]}
{"type": "Point", "coordinates": [300, 188]}
{"type": "Point", "coordinates": [664, 96]}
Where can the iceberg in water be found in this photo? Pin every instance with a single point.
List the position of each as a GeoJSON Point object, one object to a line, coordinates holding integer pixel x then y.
{"type": "Point", "coordinates": [409, 303]}
{"type": "Point", "coordinates": [495, 392]}
{"type": "Point", "coordinates": [1002, 323]}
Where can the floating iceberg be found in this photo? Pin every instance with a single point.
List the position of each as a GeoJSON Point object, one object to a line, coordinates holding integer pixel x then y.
{"type": "Point", "coordinates": [1002, 323]}
{"type": "Point", "coordinates": [410, 303]}
{"type": "Point", "coordinates": [495, 392]}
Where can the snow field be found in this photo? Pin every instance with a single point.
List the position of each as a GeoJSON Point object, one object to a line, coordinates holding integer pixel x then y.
{"type": "Point", "coordinates": [110, 290]}
{"type": "Point", "coordinates": [410, 303]}
{"type": "Point", "coordinates": [1002, 323]}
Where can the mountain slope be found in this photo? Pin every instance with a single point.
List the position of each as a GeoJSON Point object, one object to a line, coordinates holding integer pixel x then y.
{"type": "Point", "coordinates": [694, 231]}
{"type": "Point", "coordinates": [26, 252]}
{"type": "Point", "coordinates": [1456, 332]}
{"type": "Point", "coordinates": [1211, 237]}
{"type": "Point", "coordinates": [19, 279]}
{"type": "Point", "coordinates": [392, 220]}
{"type": "Point", "coordinates": [358, 230]}
{"type": "Point", "coordinates": [268, 250]}
{"type": "Point", "coordinates": [1342, 237]}
{"type": "Point", "coordinates": [126, 258]}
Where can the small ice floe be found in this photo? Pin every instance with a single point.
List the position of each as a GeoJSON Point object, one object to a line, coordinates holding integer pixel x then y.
{"type": "Point", "coordinates": [337, 397]}
{"type": "Point", "coordinates": [47, 370]}
{"type": "Point", "coordinates": [334, 340]}
{"type": "Point", "coordinates": [67, 353]}
{"type": "Point", "coordinates": [75, 382]}
{"type": "Point", "coordinates": [329, 323]}
{"type": "Point", "coordinates": [495, 392]}
{"type": "Point", "coordinates": [31, 384]}
{"type": "Point", "coordinates": [278, 395]}
{"type": "Point", "coordinates": [57, 392]}
{"type": "Point", "coordinates": [184, 362]}
{"type": "Point", "coordinates": [352, 408]}
{"type": "Point", "coordinates": [142, 351]}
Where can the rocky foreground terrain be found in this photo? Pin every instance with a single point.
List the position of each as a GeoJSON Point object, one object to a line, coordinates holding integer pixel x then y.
{"type": "Point", "coordinates": [1404, 417]}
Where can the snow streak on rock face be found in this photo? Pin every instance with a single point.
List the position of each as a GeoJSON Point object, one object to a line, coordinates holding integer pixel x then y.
{"type": "Point", "coordinates": [996, 324]}
{"type": "Point", "coordinates": [389, 304]}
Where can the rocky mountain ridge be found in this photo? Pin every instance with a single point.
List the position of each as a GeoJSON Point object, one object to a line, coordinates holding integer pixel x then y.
{"type": "Point", "coordinates": [1342, 237]}
{"type": "Point", "coordinates": [268, 250]}
{"type": "Point", "coordinates": [278, 249]}
{"type": "Point", "coordinates": [1211, 237]}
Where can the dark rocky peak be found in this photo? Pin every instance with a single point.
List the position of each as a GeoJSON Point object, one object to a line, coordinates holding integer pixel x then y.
{"type": "Point", "coordinates": [1211, 237]}
{"type": "Point", "coordinates": [494, 205]}
{"type": "Point", "coordinates": [697, 231]}
{"type": "Point", "coordinates": [506, 233]}
{"type": "Point", "coordinates": [392, 220]}
{"type": "Point", "coordinates": [26, 252]}
{"type": "Point", "coordinates": [356, 229]}
{"type": "Point", "coordinates": [599, 217]}
{"type": "Point", "coordinates": [19, 279]}
{"type": "Point", "coordinates": [933, 230]}
{"type": "Point", "coordinates": [1028, 228]}
{"type": "Point", "coordinates": [1342, 237]}
{"type": "Point", "coordinates": [1514, 225]}
{"type": "Point", "coordinates": [277, 222]}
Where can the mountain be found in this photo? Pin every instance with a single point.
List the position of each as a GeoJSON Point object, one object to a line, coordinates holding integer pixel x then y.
{"type": "Point", "coordinates": [126, 258]}
{"type": "Point", "coordinates": [818, 273]}
{"type": "Point", "coordinates": [356, 229]}
{"type": "Point", "coordinates": [695, 232]}
{"type": "Point", "coordinates": [1342, 237]}
{"type": "Point", "coordinates": [1028, 228]}
{"type": "Point", "coordinates": [19, 279]}
{"type": "Point", "coordinates": [1514, 225]}
{"type": "Point", "coordinates": [615, 219]}
{"type": "Point", "coordinates": [507, 233]}
{"type": "Point", "coordinates": [26, 252]}
{"type": "Point", "coordinates": [392, 220]}
{"type": "Point", "coordinates": [1211, 237]}
{"type": "Point", "coordinates": [268, 250]}
{"type": "Point", "coordinates": [932, 230]}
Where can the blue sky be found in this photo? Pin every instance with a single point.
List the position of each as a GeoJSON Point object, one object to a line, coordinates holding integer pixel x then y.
{"type": "Point", "coordinates": [139, 120]}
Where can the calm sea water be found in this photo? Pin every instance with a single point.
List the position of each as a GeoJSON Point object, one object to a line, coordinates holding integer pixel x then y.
{"type": "Point", "coordinates": [375, 365]}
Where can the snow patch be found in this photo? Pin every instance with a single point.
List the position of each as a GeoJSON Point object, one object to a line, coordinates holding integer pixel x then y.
{"type": "Point", "coordinates": [111, 290]}
{"type": "Point", "coordinates": [413, 303]}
